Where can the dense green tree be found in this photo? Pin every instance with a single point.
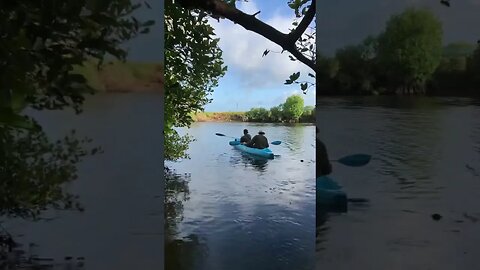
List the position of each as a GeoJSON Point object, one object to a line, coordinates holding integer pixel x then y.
{"type": "Point", "coordinates": [193, 67]}
{"type": "Point", "coordinates": [474, 68]}
{"type": "Point", "coordinates": [276, 113]}
{"type": "Point", "coordinates": [353, 69]}
{"type": "Point", "coordinates": [458, 49]}
{"type": "Point", "coordinates": [411, 48]}
{"type": "Point", "coordinates": [308, 114]}
{"type": "Point", "coordinates": [258, 115]}
{"type": "Point", "coordinates": [293, 108]}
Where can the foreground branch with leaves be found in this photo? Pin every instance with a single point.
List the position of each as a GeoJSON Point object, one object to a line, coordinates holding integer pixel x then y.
{"type": "Point", "coordinates": [42, 45]}
{"type": "Point", "coordinates": [298, 42]}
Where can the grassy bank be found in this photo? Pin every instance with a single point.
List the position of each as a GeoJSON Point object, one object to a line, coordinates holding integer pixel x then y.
{"type": "Point", "coordinates": [219, 117]}
{"type": "Point", "coordinates": [116, 76]}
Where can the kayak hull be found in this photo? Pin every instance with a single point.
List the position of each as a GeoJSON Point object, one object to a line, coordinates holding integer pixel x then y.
{"type": "Point", "coordinates": [264, 153]}
{"type": "Point", "coordinates": [329, 193]}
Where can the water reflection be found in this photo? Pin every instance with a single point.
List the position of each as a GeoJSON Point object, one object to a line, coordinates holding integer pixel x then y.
{"type": "Point", "coordinates": [421, 185]}
{"type": "Point", "coordinates": [179, 252]}
{"type": "Point", "coordinates": [33, 174]}
{"type": "Point", "coordinates": [295, 136]}
{"type": "Point", "coordinates": [186, 253]}
{"type": "Point", "coordinates": [176, 193]}
{"type": "Point", "coordinates": [247, 160]}
{"type": "Point", "coordinates": [122, 224]}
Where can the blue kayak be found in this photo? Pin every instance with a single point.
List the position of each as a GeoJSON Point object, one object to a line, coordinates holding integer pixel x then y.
{"type": "Point", "coordinates": [330, 193]}
{"type": "Point", "coordinates": [265, 153]}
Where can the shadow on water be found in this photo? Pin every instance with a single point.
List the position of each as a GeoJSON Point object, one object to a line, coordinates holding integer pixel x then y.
{"type": "Point", "coordinates": [247, 160]}
{"type": "Point", "coordinates": [186, 252]}
{"type": "Point", "coordinates": [323, 214]}
{"type": "Point", "coordinates": [29, 162]}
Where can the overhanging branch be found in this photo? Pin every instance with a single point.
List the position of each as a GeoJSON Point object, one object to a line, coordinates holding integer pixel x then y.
{"type": "Point", "coordinates": [220, 9]}
{"type": "Point", "coordinates": [302, 26]}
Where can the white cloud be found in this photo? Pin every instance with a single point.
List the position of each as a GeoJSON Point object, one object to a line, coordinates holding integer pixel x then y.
{"type": "Point", "coordinates": [243, 49]}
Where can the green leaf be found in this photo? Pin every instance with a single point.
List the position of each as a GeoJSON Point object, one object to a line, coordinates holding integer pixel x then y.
{"type": "Point", "coordinates": [295, 76]}
{"type": "Point", "coordinates": [148, 23]}
{"type": "Point", "coordinates": [304, 86]}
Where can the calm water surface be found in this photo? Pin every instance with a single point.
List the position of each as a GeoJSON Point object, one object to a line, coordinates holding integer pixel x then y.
{"type": "Point", "coordinates": [244, 213]}
{"type": "Point", "coordinates": [426, 160]}
{"type": "Point", "coordinates": [121, 189]}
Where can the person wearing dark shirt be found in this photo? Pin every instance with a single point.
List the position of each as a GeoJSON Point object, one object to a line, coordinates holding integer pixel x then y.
{"type": "Point", "coordinates": [259, 141]}
{"type": "Point", "coordinates": [246, 138]}
{"type": "Point", "coordinates": [323, 163]}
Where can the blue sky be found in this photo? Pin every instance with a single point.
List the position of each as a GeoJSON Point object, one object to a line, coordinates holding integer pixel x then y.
{"type": "Point", "coordinates": [253, 80]}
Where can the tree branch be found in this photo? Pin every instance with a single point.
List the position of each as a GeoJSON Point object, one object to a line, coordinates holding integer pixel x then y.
{"type": "Point", "coordinates": [303, 25]}
{"type": "Point", "coordinates": [220, 9]}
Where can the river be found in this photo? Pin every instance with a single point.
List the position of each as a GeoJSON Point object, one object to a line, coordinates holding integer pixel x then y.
{"type": "Point", "coordinates": [241, 213]}
{"type": "Point", "coordinates": [425, 161]}
{"type": "Point", "coordinates": [121, 189]}
{"type": "Point", "coordinates": [244, 213]}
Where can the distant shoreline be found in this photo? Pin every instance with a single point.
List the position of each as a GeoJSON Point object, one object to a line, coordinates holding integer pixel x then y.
{"type": "Point", "coordinates": [230, 117]}
{"type": "Point", "coordinates": [128, 77]}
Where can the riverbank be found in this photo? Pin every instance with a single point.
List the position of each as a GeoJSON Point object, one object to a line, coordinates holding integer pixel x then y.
{"type": "Point", "coordinates": [219, 117]}
{"type": "Point", "coordinates": [231, 117]}
{"type": "Point", "coordinates": [119, 77]}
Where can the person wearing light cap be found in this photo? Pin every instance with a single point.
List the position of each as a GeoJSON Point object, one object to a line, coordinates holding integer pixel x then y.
{"type": "Point", "coordinates": [323, 163]}
{"type": "Point", "coordinates": [246, 138]}
{"type": "Point", "coordinates": [259, 141]}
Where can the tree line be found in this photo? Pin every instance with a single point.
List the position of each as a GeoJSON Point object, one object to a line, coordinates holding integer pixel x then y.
{"type": "Point", "coordinates": [291, 111]}
{"type": "Point", "coordinates": [407, 58]}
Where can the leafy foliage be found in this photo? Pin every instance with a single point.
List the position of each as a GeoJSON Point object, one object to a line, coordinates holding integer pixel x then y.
{"type": "Point", "coordinates": [193, 67]}
{"type": "Point", "coordinates": [474, 68]}
{"type": "Point", "coordinates": [276, 113]}
{"type": "Point", "coordinates": [258, 115]}
{"type": "Point", "coordinates": [411, 47]}
{"type": "Point", "coordinates": [407, 57]}
{"type": "Point", "coordinates": [41, 45]}
{"type": "Point", "coordinates": [42, 41]}
{"type": "Point", "coordinates": [306, 44]}
{"type": "Point", "coordinates": [308, 114]}
{"type": "Point", "coordinates": [290, 111]}
{"type": "Point", "coordinates": [293, 107]}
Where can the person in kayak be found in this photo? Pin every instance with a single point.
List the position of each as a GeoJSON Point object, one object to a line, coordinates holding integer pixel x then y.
{"type": "Point", "coordinates": [258, 141]}
{"type": "Point", "coordinates": [246, 138]}
{"type": "Point", "coordinates": [323, 163]}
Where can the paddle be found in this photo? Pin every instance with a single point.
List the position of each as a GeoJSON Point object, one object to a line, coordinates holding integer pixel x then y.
{"type": "Point", "coordinates": [223, 135]}
{"type": "Point", "coordinates": [356, 160]}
